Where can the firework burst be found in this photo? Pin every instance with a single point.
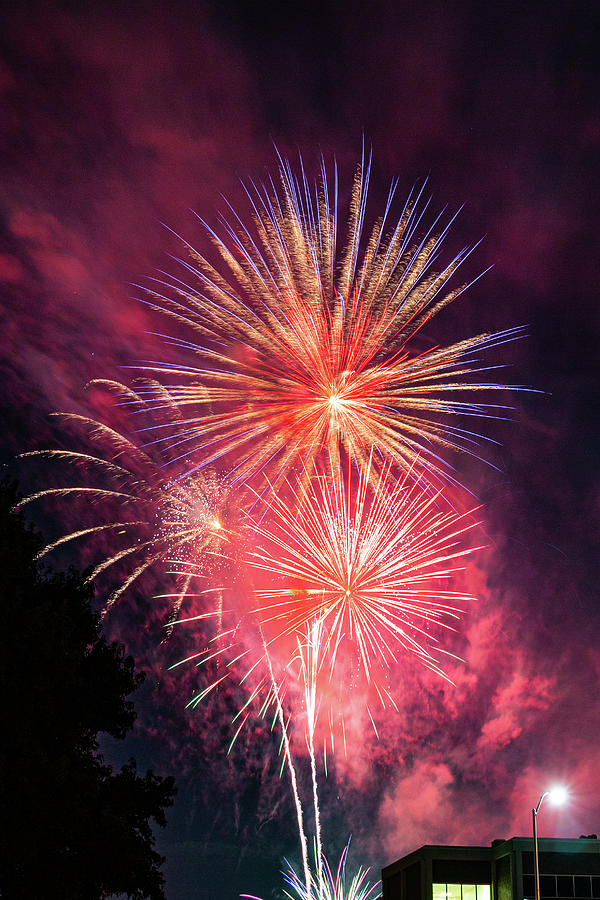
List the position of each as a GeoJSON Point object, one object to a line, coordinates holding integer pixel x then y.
{"type": "Point", "coordinates": [306, 340]}
{"type": "Point", "coordinates": [328, 883]}
{"type": "Point", "coordinates": [144, 516]}
{"type": "Point", "coordinates": [360, 562]}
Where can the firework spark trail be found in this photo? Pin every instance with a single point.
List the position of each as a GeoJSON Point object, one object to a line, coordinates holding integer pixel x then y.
{"type": "Point", "coordinates": [303, 346]}
{"type": "Point", "coordinates": [292, 771]}
{"type": "Point", "coordinates": [272, 688]}
{"type": "Point", "coordinates": [156, 517]}
{"type": "Point", "coordinates": [310, 659]}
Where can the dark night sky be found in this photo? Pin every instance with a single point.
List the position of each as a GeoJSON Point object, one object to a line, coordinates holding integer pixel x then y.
{"type": "Point", "coordinates": [117, 118]}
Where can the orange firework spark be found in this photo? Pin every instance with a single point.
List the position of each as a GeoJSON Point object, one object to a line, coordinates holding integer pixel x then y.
{"type": "Point", "coordinates": [305, 347]}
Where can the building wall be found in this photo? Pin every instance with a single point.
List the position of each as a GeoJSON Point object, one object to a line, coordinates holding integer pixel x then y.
{"type": "Point", "coordinates": [503, 888]}
{"type": "Point", "coordinates": [569, 870]}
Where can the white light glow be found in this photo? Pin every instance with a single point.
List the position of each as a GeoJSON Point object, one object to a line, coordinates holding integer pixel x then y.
{"type": "Point", "coordinates": [558, 795]}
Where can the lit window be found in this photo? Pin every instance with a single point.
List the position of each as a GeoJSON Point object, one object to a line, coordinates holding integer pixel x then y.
{"type": "Point", "coordinates": [461, 892]}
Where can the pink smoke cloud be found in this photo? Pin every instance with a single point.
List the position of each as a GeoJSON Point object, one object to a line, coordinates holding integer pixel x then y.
{"type": "Point", "coordinates": [116, 121]}
{"type": "Point", "coordinates": [11, 269]}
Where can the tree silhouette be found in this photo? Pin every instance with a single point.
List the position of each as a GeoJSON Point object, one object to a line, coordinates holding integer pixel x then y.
{"type": "Point", "coordinates": [72, 829]}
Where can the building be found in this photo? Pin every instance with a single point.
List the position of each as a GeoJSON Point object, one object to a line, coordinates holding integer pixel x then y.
{"type": "Point", "coordinates": [504, 871]}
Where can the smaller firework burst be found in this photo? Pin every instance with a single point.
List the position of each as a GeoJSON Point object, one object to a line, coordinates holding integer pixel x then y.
{"type": "Point", "coordinates": [360, 562]}
{"type": "Point", "coordinates": [327, 883]}
{"type": "Point", "coordinates": [138, 516]}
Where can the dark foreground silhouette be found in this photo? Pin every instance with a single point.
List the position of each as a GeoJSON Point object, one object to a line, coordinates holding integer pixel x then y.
{"type": "Point", "coordinates": [71, 827]}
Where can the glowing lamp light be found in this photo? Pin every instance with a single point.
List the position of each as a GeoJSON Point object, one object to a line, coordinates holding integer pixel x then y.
{"type": "Point", "coordinates": [558, 795]}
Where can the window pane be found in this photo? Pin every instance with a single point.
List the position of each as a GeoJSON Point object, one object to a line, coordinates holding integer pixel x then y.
{"type": "Point", "coordinates": [583, 887]}
{"type": "Point", "coordinates": [483, 892]}
{"type": "Point", "coordinates": [528, 885]}
{"type": "Point", "coordinates": [564, 885]}
{"type": "Point", "coordinates": [548, 885]}
{"type": "Point", "coordinates": [595, 886]}
{"type": "Point", "coordinates": [468, 892]}
{"type": "Point", "coordinates": [439, 891]}
{"type": "Point", "coordinates": [453, 892]}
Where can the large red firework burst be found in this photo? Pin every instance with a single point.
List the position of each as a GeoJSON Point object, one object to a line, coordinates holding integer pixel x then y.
{"type": "Point", "coordinates": [304, 340]}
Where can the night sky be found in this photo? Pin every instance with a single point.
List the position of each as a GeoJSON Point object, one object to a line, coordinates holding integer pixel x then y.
{"type": "Point", "coordinates": [120, 119]}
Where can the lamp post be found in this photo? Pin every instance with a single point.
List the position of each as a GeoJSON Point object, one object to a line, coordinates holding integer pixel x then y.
{"type": "Point", "coordinates": [557, 795]}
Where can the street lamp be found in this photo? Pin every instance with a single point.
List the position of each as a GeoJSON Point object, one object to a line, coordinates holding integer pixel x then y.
{"type": "Point", "coordinates": [556, 795]}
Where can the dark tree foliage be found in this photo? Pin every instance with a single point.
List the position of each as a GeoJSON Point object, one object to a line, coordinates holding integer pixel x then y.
{"type": "Point", "coordinates": [71, 827]}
